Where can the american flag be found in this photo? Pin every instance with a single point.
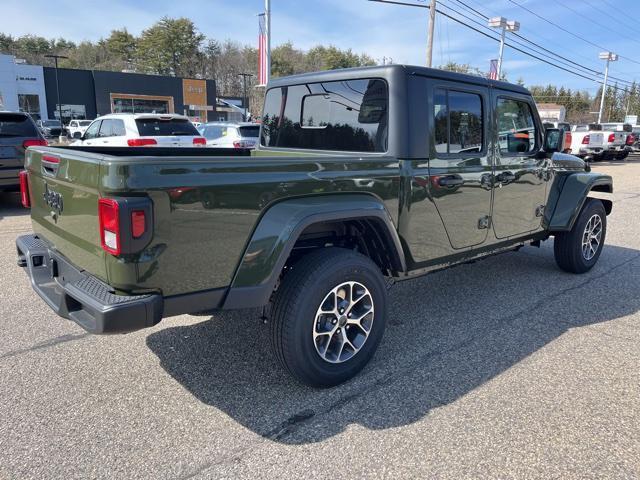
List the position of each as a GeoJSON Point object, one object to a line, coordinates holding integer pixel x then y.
{"type": "Point", "coordinates": [263, 77]}
{"type": "Point", "coordinates": [493, 70]}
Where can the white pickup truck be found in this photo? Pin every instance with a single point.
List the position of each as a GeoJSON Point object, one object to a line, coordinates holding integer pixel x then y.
{"type": "Point", "coordinates": [587, 141]}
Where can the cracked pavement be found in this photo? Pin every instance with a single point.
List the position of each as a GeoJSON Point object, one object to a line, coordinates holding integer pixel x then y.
{"type": "Point", "coordinates": [504, 368]}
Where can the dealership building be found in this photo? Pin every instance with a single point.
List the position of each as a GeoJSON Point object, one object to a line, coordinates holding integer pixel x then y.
{"type": "Point", "coordinates": [92, 93]}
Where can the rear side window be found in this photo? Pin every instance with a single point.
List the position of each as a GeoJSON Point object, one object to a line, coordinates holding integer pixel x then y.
{"type": "Point", "coordinates": [249, 132]}
{"type": "Point", "coordinates": [158, 127]}
{"type": "Point", "coordinates": [350, 115]}
{"type": "Point", "coordinates": [212, 132]}
{"type": "Point", "coordinates": [14, 125]}
{"type": "Point", "coordinates": [516, 127]}
{"type": "Point", "coordinates": [458, 122]}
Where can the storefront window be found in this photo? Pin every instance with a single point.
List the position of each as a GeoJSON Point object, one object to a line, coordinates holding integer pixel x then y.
{"type": "Point", "coordinates": [71, 112]}
{"type": "Point", "coordinates": [140, 105]}
{"type": "Point", "coordinates": [29, 104]}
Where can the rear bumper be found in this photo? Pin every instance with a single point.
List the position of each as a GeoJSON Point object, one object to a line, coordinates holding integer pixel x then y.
{"type": "Point", "coordinates": [78, 296]}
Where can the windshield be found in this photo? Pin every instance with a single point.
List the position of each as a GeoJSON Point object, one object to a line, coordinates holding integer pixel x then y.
{"type": "Point", "coordinates": [160, 127]}
{"type": "Point", "coordinates": [84, 123]}
{"type": "Point", "coordinates": [250, 132]}
{"type": "Point", "coordinates": [13, 125]}
{"type": "Point", "coordinates": [51, 123]}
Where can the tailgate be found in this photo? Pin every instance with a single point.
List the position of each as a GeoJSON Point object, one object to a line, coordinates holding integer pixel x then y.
{"type": "Point", "coordinates": [621, 138]}
{"type": "Point", "coordinates": [63, 187]}
{"type": "Point", "coordinates": [595, 139]}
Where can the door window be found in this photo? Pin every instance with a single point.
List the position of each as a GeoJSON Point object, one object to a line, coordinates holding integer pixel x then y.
{"type": "Point", "coordinates": [106, 129]}
{"type": "Point", "coordinates": [92, 131]}
{"type": "Point", "coordinates": [117, 128]}
{"type": "Point", "coordinates": [517, 131]}
{"type": "Point", "coordinates": [458, 122]}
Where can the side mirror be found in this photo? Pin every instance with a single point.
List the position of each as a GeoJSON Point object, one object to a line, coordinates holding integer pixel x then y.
{"type": "Point", "coordinates": [553, 140]}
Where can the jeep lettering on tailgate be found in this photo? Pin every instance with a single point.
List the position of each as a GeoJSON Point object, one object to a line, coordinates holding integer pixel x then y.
{"type": "Point", "coordinates": [53, 199]}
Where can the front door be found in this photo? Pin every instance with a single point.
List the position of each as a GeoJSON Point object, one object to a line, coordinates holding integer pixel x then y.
{"type": "Point", "coordinates": [520, 180]}
{"type": "Point", "coordinates": [459, 167]}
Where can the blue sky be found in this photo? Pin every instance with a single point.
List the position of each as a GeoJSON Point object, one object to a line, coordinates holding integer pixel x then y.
{"type": "Point", "coordinates": [380, 30]}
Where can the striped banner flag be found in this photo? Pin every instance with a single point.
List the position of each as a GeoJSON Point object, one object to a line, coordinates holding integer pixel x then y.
{"type": "Point", "coordinates": [493, 70]}
{"type": "Point", "coordinates": [262, 50]}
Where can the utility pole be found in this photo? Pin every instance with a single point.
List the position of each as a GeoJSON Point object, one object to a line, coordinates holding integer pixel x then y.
{"type": "Point", "coordinates": [432, 25]}
{"type": "Point", "coordinates": [56, 57]}
{"type": "Point", "coordinates": [244, 98]}
{"type": "Point", "coordinates": [505, 26]}
{"type": "Point", "coordinates": [267, 12]}
{"type": "Point", "coordinates": [432, 22]}
{"type": "Point", "coordinates": [609, 57]}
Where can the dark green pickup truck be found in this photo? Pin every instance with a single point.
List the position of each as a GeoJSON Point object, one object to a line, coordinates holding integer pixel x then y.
{"type": "Point", "coordinates": [362, 176]}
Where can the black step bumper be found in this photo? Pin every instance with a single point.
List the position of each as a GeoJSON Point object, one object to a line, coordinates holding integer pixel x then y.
{"type": "Point", "coordinates": [78, 296]}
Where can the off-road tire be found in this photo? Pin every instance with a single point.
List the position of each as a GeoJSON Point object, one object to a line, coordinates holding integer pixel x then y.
{"type": "Point", "coordinates": [294, 314]}
{"type": "Point", "coordinates": [568, 246]}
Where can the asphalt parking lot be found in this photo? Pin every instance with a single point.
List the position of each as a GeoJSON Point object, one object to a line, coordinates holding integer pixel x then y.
{"type": "Point", "coordinates": [506, 368]}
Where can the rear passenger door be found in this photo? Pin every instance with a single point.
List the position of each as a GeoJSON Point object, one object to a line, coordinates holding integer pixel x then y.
{"type": "Point", "coordinates": [91, 135]}
{"type": "Point", "coordinates": [459, 165]}
{"type": "Point", "coordinates": [520, 173]}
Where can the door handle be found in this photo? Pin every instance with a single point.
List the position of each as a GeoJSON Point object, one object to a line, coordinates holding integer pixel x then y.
{"type": "Point", "coordinates": [450, 181]}
{"type": "Point", "coordinates": [506, 177]}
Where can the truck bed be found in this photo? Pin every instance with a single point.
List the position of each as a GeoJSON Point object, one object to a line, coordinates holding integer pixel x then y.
{"type": "Point", "coordinates": [204, 201]}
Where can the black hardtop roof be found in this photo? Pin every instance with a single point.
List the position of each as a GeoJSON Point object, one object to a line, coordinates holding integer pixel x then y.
{"type": "Point", "coordinates": [386, 71]}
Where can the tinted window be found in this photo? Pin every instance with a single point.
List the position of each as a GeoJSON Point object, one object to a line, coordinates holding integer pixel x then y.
{"type": "Point", "coordinates": [248, 132]}
{"type": "Point", "coordinates": [458, 122]}
{"type": "Point", "coordinates": [84, 123]}
{"type": "Point", "coordinates": [117, 128]}
{"type": "Point", "coordinates": [516, 127]}
{"type": "Point", "coordinates": [51, 123]}
{"type": "Point", "coordinates": [212, 132]}
{"type": "Point", "coordinates": [348, 115]}
{"type": "Point", "coordinates": [158, 127]}
{"type": "Point", "coordinates": [105, 128]}
{"type": "Point", "coordinates": [92, 131]}
{"type": "Point", "coordinates": [12, 125]}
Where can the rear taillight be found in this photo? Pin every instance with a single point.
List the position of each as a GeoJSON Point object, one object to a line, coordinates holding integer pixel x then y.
{"type": "Point", "coordinates": [585, 140]}
{"type": "Point", "coordinates": [630, 140]}
{"type": "Point", "coordinates": [137, 223]}
{"type": "Point", "coordinates": [109, 219]}
{"type": "Point", "coordinates": [199, 141]}
{"type": "Point", "coordinates": [24, 189]}
{"type": "Point", "coordinates": [567, 140]}
{"type": "Point", "coordinates": [34, 142]}
{"type": "Point", "coordinates": [141, 142]}
{"type": "Point", "coordinates": [612, 137]}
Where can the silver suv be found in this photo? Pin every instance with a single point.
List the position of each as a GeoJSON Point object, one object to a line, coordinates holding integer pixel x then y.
{"type": "Point", "coordinates": [230, 135]}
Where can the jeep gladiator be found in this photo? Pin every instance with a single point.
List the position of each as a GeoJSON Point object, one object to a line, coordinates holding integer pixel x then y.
{"type": "Point", "coordinates": [362, 177]}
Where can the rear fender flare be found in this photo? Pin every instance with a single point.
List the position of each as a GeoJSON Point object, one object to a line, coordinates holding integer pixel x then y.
{"type": "Point", "coordinates": [278, 230]}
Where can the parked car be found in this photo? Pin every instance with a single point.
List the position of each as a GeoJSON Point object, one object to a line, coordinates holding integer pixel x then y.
{"type": "Point", "coordinates": [614, 144]}
{"type": "Point", "coordinates": [230, 135]}
{"type": "Point", "coordinates": [587, 142]}
{"type": "Point", "coordinates": [50, 128]}
{"type": "Point", "coordinates": [346, 169]}
{"type": "Point", "coordinates": [76, 128]}
{"type": "Point", "coordinates": [141, 130]}
{"type": "Point", "coordinates": [17, 132]}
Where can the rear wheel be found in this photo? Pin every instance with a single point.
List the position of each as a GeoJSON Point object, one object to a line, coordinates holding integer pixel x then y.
{"type": "Point", "coordinates": [329, 316]}
{"type": "Point", "coordinates": [578, 250]}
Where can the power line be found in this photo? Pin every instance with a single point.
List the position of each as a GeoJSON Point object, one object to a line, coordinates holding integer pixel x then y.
{"type": "Point", "coordinates": [568, 31]}
{"type": "Point", "coordinates": [540, 47]}
{"type": "Point", "coordinates": [528, 53]}
{"type": "Point", "coordinates": [602, 10]}
{"type": "Point", "coordinates": [601, 25]}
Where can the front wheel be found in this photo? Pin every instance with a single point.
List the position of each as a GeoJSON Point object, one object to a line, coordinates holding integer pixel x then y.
{"type": "Point", "coordinates": [329, 315]}
{"type": "Point", "coordinates": [578, 250]}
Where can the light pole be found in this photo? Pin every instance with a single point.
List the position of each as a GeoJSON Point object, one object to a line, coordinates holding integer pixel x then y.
{"type": "Point", "coordinates": [244, 98]}
{"type": "Point", "coordinates": [267, 12]}
{"type": "Point", "coordinates": [505, 26]}
{"type": "Point", "coordinates": [609, 57]}
{"type": "Point", "coordinates": [56, 57]}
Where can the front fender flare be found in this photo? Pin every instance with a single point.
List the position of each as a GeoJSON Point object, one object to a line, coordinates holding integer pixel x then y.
{"type": "Point", "coordinates": [567, 197]}
{"type": "Point", "coordinates": [279, 228]}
